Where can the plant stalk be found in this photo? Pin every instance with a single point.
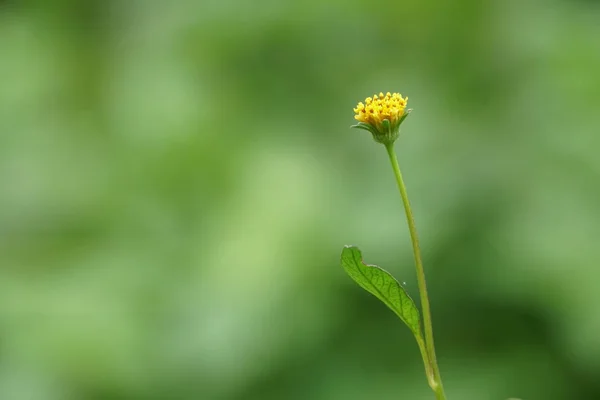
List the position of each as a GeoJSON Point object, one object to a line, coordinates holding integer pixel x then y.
{"type": "Point", "coordinates": [436, 382]}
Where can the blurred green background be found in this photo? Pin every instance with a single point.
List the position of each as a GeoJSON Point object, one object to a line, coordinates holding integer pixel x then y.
{"type": "Point", "coordinates": [177, 180]}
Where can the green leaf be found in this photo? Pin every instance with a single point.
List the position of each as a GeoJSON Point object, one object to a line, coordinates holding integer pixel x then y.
{"type": "Point", "coordinates": [382, 285]}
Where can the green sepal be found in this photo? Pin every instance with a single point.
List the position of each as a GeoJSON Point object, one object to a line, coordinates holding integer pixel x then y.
{"type": "Point", "coordinates": [366, 127]}
{"type": "Point", "coordinates": [402, 118]}
{"type": "Point", "coordinates": [387, 127]}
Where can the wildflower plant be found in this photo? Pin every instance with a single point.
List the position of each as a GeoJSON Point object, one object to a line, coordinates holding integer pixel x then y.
{"type": "Point", "coordinates": [382, 115]}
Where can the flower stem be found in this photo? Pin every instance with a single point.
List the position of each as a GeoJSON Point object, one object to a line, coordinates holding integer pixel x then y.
{"type": "Point", "coordinates": [435, 382]}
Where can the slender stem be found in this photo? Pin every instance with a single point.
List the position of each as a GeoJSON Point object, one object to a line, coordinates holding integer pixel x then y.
{"type": "Point", "coordinates": [428, 369]}
{"type": "Point", "coordinates": [436, 385]}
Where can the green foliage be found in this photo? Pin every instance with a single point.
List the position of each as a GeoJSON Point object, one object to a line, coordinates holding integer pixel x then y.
{"type": "Point", "coordinates": [382, 285]}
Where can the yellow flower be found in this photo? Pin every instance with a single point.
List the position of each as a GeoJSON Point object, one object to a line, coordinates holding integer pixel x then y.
{"type": "Point", "coordinates": [382, 115]}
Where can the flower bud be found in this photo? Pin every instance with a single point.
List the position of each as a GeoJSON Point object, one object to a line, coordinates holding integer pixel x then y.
{"type": "Point", "coordinates": [382, 115]}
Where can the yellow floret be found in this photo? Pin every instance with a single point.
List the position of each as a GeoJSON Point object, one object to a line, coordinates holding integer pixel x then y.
{"type": "Point", "coordinates": [380, 107]}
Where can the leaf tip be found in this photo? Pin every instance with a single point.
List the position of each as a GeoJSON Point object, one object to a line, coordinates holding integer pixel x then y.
{"type": "Point", "coordinates": [350, 248]}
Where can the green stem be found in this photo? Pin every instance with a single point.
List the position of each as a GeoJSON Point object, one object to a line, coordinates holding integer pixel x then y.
{"type": "Point", "coordinates": [436, 382]}
{"type": "Point", "coordinates": [428, 369]}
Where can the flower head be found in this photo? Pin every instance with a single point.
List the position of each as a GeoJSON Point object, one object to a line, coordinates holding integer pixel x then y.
{"type": "Point", "coordinates": [382, 115]}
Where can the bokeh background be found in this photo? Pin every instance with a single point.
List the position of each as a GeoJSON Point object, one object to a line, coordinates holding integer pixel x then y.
{"type": "Point", "coordinates": [177, 180]}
